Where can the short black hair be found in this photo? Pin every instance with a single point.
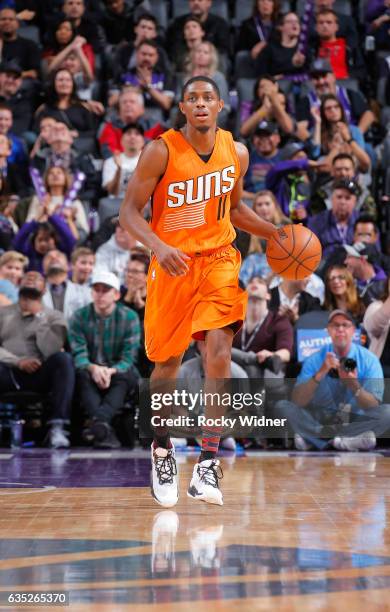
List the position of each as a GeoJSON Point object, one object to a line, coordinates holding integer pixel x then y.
{"type": "Point", "coordinates": [147, 17]}
{"type": "Point", "coordinates": [366, 218]}
{"type": "Point", "coordinates": [202, 79]}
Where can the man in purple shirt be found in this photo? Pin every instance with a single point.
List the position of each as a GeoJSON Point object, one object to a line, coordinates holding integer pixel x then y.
{"type": "Point", "coordinates": [335, 227]}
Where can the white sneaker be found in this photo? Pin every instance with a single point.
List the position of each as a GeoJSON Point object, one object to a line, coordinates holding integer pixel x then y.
{"type": "Point", "coordinates": [163, 478]}
{"type": "Point", "coordinates": [165, 527]}
{"type": "Point", "coordinates": [57, 437]}
{"type": "Point", "coordinates": [204, 483]}
{"type": "Point", "coordinates": [364, 441]}
{"type": "Point", "coordinates": [300, 443]}
{"type": "Point", "coordinates": [228, 443]}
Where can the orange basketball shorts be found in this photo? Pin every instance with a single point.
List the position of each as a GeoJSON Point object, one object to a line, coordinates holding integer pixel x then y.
{"type": "Point", "coordinates": [179, 308]}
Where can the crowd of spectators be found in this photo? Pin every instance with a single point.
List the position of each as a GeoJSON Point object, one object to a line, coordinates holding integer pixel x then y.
{"type": "Point", "coordinates": [84, 85]}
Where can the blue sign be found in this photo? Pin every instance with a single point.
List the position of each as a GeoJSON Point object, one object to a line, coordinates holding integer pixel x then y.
{"type": "Point", "coordinates": [310, 341]}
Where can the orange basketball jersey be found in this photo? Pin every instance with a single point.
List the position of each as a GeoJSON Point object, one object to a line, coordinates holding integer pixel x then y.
{"type": "Point", "coordinates": [191, 202]}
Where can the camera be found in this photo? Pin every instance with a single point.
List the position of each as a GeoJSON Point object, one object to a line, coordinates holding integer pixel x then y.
{"type": "Point", "coordinates": [347, 364]}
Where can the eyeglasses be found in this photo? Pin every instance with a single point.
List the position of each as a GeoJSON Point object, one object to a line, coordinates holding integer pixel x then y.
{"type": "Point", "coordinates": [340, 325]}
{"type": "Point", "coordinates": [317, 76]}
{"type": "Point", "coordinates": [339, 277]}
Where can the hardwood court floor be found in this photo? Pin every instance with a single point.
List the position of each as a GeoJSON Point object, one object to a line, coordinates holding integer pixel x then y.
{"type": "Point", "coordinates": [297, 533]}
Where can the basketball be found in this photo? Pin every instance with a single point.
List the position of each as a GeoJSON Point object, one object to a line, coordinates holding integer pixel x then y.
{"type": "Point", "coordinates": [294, 252]}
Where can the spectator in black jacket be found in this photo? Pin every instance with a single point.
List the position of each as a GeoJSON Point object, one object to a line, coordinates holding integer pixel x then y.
{"type": "Point", "coordinates": [216, 28]}
{"type": "Point", "coordinates": [117, 21]}
{"type": "Point", "coordinates": [19, 94]}
{"type": "Point", "coordinates": [258, 29]}
{"type": "Point", "coordinates": [25, 51]}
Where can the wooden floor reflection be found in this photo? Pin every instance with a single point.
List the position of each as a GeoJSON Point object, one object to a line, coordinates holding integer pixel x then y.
{"type": "Point", "coordinates": [296, 533]}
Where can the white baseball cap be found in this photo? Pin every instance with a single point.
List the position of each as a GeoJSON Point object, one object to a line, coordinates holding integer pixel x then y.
{"type": "Point", "coordinates": [106, 278]}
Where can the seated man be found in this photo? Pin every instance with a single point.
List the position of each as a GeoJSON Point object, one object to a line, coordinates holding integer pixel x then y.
{"type": "Point", "coordinates": [61, 293]}
{"type": "Point", "coordinates": [265, 342]}
{"type": "Point", "coordinates": [104, 339]}
{"type": "Point", "coordinates": [335, 227]}
{"type": "Point", "coordinates": [345, 61]}
{"type": "Point", "coordinates": [337, 397]}
{"type": "Point", "coordinates": [363, 262]}
{"type": "Point", "coordinates": [156, 86]}
{"type": "Point", "coordinates": [32, 358]}
{"type": "Point", "coordinates": [15, 47]}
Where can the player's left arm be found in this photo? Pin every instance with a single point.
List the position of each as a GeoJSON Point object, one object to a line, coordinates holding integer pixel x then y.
{"type": "Point", "coordinates": [241, 215]}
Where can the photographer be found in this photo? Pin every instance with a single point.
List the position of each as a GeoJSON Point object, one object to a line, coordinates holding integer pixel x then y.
{"type": "Point", "coordinates": [337, 396]}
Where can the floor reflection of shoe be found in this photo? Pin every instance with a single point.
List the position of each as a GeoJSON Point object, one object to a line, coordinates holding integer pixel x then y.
{"type": "Point", "coordinates": [364, 441]}
{"type": "Point", "coordinates": [165, 526]}
{"type": "Point", "coordinates": [301, 444]}
{"type": "Point", "coordinates": [228, 443]}
{"type": "Point", "coordinates": [203, 544]}
{"type": "Point", "coordinates": [204, 484]}
{"type": "Point", "coordinates": [164, 476]}
{"type": "Point", "coordinates": [57, 437]}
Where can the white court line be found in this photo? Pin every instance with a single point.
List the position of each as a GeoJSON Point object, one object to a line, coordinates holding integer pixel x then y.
{"type": "Point", "coordinates": [102, 455]}
{"type": "Point", "coordinates": [24, 491]}
{"type": "Point", "coordinates": [3, 456]}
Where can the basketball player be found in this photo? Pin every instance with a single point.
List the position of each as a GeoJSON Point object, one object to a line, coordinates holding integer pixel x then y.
{"type": "Point", "coordinates": [194, 177]}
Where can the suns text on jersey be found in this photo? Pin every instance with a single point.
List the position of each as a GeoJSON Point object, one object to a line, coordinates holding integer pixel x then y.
{"type": "Point", "coordinates": [201, 188]}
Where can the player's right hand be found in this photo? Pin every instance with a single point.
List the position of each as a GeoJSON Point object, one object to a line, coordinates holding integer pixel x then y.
{"type": "Point", "coordinates": [172, 261]}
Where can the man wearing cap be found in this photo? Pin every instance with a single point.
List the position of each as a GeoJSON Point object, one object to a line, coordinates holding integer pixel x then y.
{"type": "Point", "coordinates": [104, 338]}
{"type": "Point", "coordinates": [362, 260]}
{"type": "Point", "coordinates": [264, 155]}
{"type": "Point", "coordinates": [336, 400]}
{"type": "Point", "coordinates": [343, 166]}
{"type": "Point", "coordinates": [323, 81]}
{"type": "Point", "coordinates": [19, 94]}
{"type": "Point", "coordinates": [118, 169]}
{"type": "Point", "coordinates": [32, 358]}
{"type": "Point", "coordinates": [335, 227]}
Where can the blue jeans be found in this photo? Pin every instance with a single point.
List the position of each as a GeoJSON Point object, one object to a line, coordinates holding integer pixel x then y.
{"type": "Point", "coordinates": [309, 422]}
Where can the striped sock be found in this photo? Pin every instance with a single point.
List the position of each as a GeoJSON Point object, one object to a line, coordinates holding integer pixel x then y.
{"type": "Point", "coordinates": [210, 444]}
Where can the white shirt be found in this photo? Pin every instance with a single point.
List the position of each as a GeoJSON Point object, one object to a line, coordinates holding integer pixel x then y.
{"type": "Point", "coordinates": [128, 165]}
{"type": "Point", "coordinates": [110, 256]}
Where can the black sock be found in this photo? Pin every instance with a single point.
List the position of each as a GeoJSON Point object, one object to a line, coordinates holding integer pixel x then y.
{"type": "Point", "coordinates": [206, 455]}
{"type": "Point", "coordinates": [162, 441]}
